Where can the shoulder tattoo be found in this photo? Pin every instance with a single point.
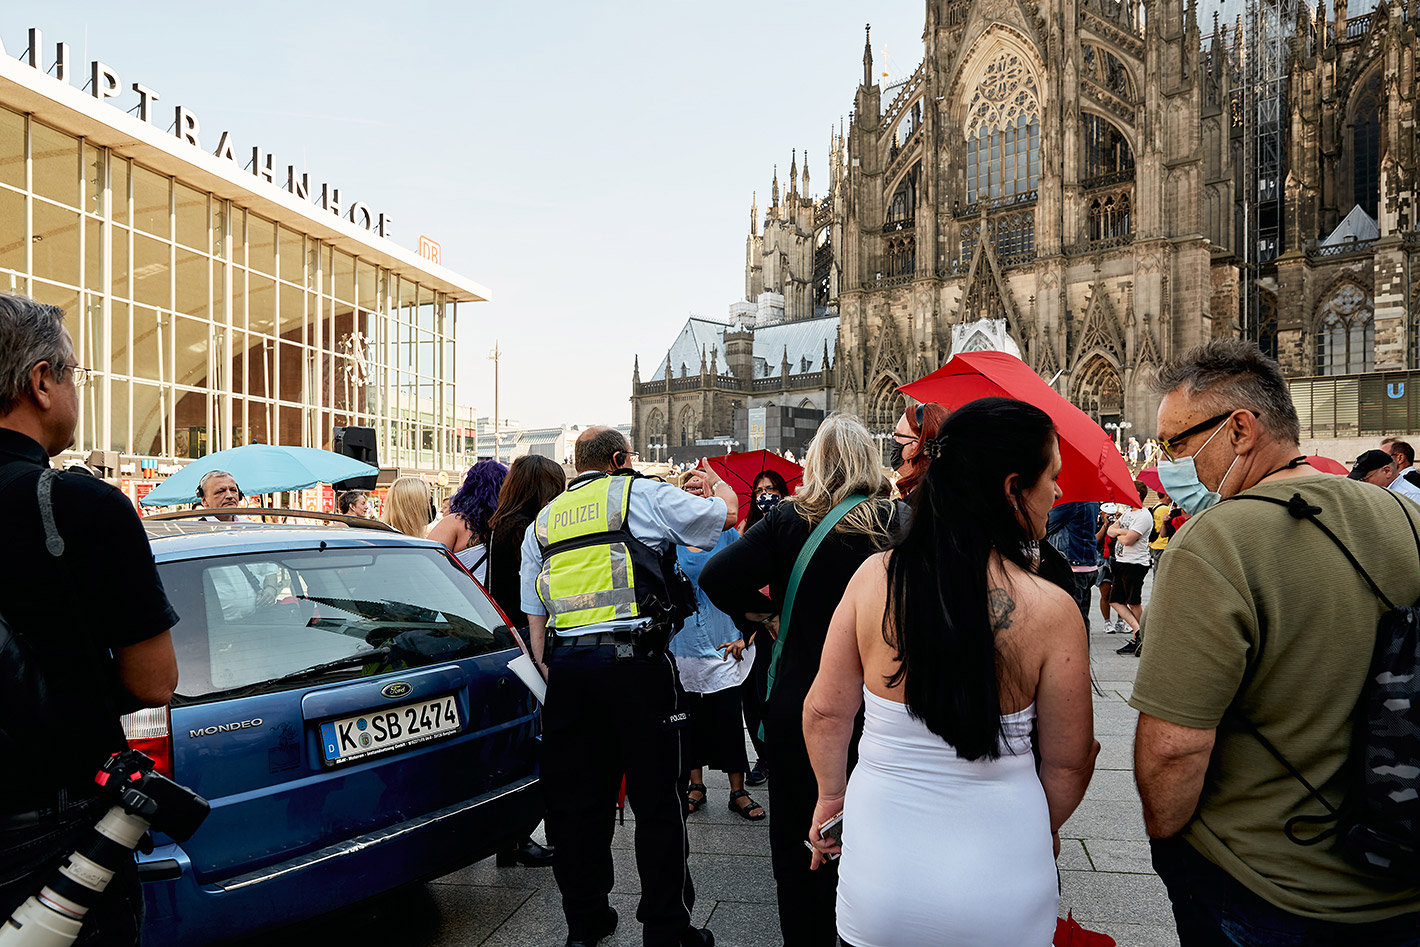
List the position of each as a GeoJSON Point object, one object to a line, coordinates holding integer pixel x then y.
{"type": "Point", "coordinates": [1000, 606]}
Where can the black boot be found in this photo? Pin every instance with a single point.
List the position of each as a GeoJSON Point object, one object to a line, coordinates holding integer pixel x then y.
{"type": "Point", "coordinates": [527, 853]}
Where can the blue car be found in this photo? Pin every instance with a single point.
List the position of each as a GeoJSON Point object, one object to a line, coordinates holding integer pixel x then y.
{"type": "Point", "coordinates": [346, 707]}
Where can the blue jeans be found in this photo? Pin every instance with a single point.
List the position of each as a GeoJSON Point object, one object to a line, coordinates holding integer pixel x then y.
{"type": "Point", "coordinates": [1212, 909]}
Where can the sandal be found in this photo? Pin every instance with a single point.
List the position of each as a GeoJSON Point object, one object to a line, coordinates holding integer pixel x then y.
{"type": "Point", "coordinates": [749, 806]}
{"type": "Point", "coordinates": [694, 805]}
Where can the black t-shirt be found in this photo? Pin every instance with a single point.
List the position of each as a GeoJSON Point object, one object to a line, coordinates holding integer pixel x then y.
{"type": "Point", "coordinates": [103, 593]}
{"type": "Point", "coordinates": [765, 555]}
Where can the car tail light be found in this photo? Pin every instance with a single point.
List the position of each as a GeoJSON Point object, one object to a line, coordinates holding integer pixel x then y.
{"type": "Point", "coordinates": [149, 732]}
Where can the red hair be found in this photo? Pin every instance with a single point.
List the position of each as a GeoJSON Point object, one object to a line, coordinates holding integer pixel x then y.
{"type": "Point", "coordinates": [924, 421]}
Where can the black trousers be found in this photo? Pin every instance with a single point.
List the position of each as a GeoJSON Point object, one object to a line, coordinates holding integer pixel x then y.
{"type": "Point", "coordinates": [603, 718]}
{"type": "Point", "coordinates": [808, 900]}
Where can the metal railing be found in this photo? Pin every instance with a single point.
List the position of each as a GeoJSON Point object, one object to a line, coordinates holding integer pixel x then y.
{"type": "Point", "coordinates": [1351, 245]}
{"type": "Point", "coordinates": [997, 203]}
{"type": "Point", "coordinates": [1105, 180]}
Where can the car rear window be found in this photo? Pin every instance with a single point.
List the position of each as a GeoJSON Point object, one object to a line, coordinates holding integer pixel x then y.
{"type": "Point", "coordinates": [249, 620]}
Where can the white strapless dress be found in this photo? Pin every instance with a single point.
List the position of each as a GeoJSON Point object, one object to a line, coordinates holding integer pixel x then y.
{"type": "Point", "coordinates": [942, 851]}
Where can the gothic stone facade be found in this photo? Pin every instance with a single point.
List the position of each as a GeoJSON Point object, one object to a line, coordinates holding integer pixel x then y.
{"type": "Point", "coordinates": [1075, 169]}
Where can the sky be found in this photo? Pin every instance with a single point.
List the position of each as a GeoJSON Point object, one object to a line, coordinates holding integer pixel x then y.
{"type": "Point", "coordinates": [592, 164]}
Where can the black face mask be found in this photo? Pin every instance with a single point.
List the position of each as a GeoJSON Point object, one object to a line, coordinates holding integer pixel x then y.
{"type": "Point", "coordinates": [895, 458]}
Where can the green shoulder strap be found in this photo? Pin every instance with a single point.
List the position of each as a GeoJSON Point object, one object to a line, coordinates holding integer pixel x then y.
{"type": "Point", "coordinates": [821, 531]}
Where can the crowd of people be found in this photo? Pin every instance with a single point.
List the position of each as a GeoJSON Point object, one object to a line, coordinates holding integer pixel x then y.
{"type": "Point", "coordinates": [910, 658]}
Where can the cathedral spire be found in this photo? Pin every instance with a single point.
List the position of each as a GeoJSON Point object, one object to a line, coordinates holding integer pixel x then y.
{"type": "Point", "coordinates": [867, 55]}
{"type": "Point", "coordinates": [775, 192]}
{"type": "Point", "coordinates": [754, 215]}
{"type": "Point", "coordinates": [636, 369]}
{"type": "Point", "coordinates": [794, 173]}
{"type": "Point", "coordinates": [805, 189]}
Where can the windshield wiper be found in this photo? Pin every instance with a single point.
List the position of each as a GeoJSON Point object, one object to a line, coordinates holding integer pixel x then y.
{"type": "Point", "coordinates": [318, 669]}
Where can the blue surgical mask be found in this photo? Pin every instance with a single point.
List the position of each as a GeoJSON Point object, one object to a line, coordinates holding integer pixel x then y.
{"type": "Point", "coordinates": [767, 501]}
{"type": "Point", "coordinates": [1181, 483]}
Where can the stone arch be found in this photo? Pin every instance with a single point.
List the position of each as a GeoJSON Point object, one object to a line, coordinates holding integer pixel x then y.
{"type": "Point", "coordinates": [1126, 133]}
{"type": "Point", "coordinates": [686, 429]}
{"type": "Point", "coordinates": [885, 405]}
{"type": "Point", "coordinates": [656, 427]}
{"type": "Point", "coordinates": [1098, 388]}
{"type": "Point", "coordinates": [1363, 141]}
{"type": "Point", "coordinates": [1344, 330]}
{"type": "Point", "coordinates": [998, 38]}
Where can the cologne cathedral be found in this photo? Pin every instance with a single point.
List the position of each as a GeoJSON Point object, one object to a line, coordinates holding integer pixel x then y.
{"type": "Point", "coordinates": [1095, 186]}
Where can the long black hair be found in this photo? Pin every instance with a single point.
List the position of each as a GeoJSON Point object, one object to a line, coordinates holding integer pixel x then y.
{"type": "Point", "coordinates": [938, 617]}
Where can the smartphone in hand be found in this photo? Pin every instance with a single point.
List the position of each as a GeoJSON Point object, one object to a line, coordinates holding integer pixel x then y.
{"type": "Point", "coordinates": [832, 830]}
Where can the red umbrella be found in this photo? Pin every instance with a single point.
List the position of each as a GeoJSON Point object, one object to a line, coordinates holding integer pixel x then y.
{"type": "Point", "coordinates": [740, 471]}
{"type": "Point", "coordinates": [1327, 465]}
{"type": "Point", "coordinates": [1150, 475]}
{"type": "Point", "coordinates": [1092, 467]}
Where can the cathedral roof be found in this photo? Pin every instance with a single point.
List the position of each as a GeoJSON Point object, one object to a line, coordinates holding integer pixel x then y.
{"type": "Point", "coordinates": [1357, 226]}
{"type": "Point", "coordinates": [802, 342]}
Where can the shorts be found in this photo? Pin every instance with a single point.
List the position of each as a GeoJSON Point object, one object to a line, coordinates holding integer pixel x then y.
{"type": "Point", "coordinates": [1128, 583]}
{"type": "Point", "coordinates": [1104, 577]}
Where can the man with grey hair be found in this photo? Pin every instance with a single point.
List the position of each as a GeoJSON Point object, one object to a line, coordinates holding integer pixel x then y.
{"type": "Point", "coordinates": [68, 539]}
{"type": "Point", "coordinates": [1247, 646]}
{"type": "Point", "coordinates": [218, 490]}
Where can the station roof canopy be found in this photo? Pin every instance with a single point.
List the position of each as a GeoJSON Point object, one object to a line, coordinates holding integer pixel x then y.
{"type": "Point", "coordinates": [63, 106]}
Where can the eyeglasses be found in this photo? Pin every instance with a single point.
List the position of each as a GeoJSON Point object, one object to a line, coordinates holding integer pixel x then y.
{"type": "Point", "coordinates": [81, 375]}
{"type": "Point", "coordinates": [1170, 444]}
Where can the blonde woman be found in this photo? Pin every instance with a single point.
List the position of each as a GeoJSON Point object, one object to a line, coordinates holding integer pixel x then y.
{"type": "Point", "coordinates": [842, 461]}
{"type": "Point", "coordinates": [406, 508]}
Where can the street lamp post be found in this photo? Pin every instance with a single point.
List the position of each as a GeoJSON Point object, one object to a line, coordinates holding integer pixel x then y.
{"type": "Point", "coordinates": [497, 447]}
{"type": "Point", "coordinates": [657, 448]}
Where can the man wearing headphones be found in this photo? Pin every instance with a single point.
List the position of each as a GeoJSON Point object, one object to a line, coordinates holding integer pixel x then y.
{"type": "Point", "coordinates": [218, 490]}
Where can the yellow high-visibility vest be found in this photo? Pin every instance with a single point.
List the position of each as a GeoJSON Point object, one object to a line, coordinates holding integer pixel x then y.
{"type": "Point", "coordinates": [592, 567]}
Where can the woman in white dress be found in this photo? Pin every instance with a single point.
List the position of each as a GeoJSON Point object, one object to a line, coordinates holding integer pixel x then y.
{"type": "Point", "coordinates": [953, 646]}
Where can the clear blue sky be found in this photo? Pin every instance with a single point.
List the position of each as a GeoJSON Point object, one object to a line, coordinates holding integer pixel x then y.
{"type": "Point", "coordinates": [591, 163]}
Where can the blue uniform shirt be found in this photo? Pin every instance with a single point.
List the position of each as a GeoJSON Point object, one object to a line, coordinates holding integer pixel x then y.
{"type": "Point", "coordinates": [659, 515]}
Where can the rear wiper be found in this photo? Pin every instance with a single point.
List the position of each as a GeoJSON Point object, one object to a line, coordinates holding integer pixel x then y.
{"type": "Point", "coordinates": [318, 669]}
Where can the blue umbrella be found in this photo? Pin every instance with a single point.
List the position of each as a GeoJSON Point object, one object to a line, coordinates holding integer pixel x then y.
{"type": "Point", "coordinates": [261, 468]}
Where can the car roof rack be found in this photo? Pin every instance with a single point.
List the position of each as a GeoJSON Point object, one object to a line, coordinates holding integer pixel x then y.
{"type": "Point", "coordinates": [357, 521]}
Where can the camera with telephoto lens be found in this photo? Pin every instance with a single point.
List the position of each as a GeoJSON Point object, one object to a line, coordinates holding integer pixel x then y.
{"type": "Point", "coordinates": [142, 799]}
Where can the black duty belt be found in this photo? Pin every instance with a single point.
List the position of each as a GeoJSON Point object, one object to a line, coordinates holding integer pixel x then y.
{"type": "Point", "coordinates": [597, 640]}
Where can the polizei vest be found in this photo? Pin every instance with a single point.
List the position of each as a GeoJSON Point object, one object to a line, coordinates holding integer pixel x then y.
{"type": "Point", "coordinates": [593, 569]}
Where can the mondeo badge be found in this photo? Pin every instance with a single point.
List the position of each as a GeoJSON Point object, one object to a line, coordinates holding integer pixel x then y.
{"type": "Point", "coordinates": [396, 690]}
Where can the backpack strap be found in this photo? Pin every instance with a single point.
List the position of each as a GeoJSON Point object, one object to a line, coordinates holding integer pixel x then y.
{"type": "Point", "coordinates": [801, 564]}
{"type": "Point", "coordinates": [1300, 509]}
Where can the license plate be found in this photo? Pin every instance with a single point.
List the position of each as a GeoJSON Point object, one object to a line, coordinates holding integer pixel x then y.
{"type": "Point", "coordinates": [379, 731]}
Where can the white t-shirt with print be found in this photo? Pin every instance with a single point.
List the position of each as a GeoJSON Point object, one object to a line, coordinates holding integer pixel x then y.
{"type": "Point", "coordinates": [1141, 521]}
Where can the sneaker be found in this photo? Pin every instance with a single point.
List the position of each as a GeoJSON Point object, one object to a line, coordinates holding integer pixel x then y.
{"type": "Point", "coordinates": [1130, 648]}
{"type": "Point", "coordinates": [757, 776]}
{"type": "Point", "coordinates": [1116, 627]}
{"type": "Point", "coordinates": [701, 937]}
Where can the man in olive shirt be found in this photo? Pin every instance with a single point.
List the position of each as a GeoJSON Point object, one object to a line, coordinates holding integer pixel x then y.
{"type": "Point", "coordinates": [1257, 620]}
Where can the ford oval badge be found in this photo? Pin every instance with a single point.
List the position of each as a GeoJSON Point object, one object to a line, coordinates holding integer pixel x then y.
{"type": "Point", "coordinates": [396, 690]}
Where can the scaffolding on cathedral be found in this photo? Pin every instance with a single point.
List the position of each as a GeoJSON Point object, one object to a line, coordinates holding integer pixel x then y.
{"type": "Point", "coordinates": [1265, 56]}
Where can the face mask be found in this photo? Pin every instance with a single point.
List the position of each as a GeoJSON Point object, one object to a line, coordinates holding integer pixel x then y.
{"type": "Point", "coordinates": [1180, 481]}
{"type": "Point", "coordinates": [895, 458]}
{"type": "Point", "coordinates": [767, 501]}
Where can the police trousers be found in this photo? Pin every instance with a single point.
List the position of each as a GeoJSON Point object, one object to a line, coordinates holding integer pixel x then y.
{"type": "Point", "coordinates": [605, 718]}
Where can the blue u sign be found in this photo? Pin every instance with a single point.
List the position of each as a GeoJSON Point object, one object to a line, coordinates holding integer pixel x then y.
{"type": "Point", "coordinates": [1395, 390]}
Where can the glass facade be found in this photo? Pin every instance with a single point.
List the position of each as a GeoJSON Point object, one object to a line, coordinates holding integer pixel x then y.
{"type": "Point", "coordinates": [207, 326]}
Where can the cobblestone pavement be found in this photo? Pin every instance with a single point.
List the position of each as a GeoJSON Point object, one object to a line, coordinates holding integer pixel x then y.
{"type": "Point", "coordinates": [1106, 878]}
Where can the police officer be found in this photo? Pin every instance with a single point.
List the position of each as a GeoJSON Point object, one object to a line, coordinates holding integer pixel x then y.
{"type": "Point", "coordinates": [595, 587]}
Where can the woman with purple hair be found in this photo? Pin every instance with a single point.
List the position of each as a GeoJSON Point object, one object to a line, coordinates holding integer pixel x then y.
{"type": "Point", "coordinates": [465, 530]}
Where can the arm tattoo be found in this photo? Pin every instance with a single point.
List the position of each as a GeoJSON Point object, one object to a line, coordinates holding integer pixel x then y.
{"type": "Point", "coordinates": [1000, 606]}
